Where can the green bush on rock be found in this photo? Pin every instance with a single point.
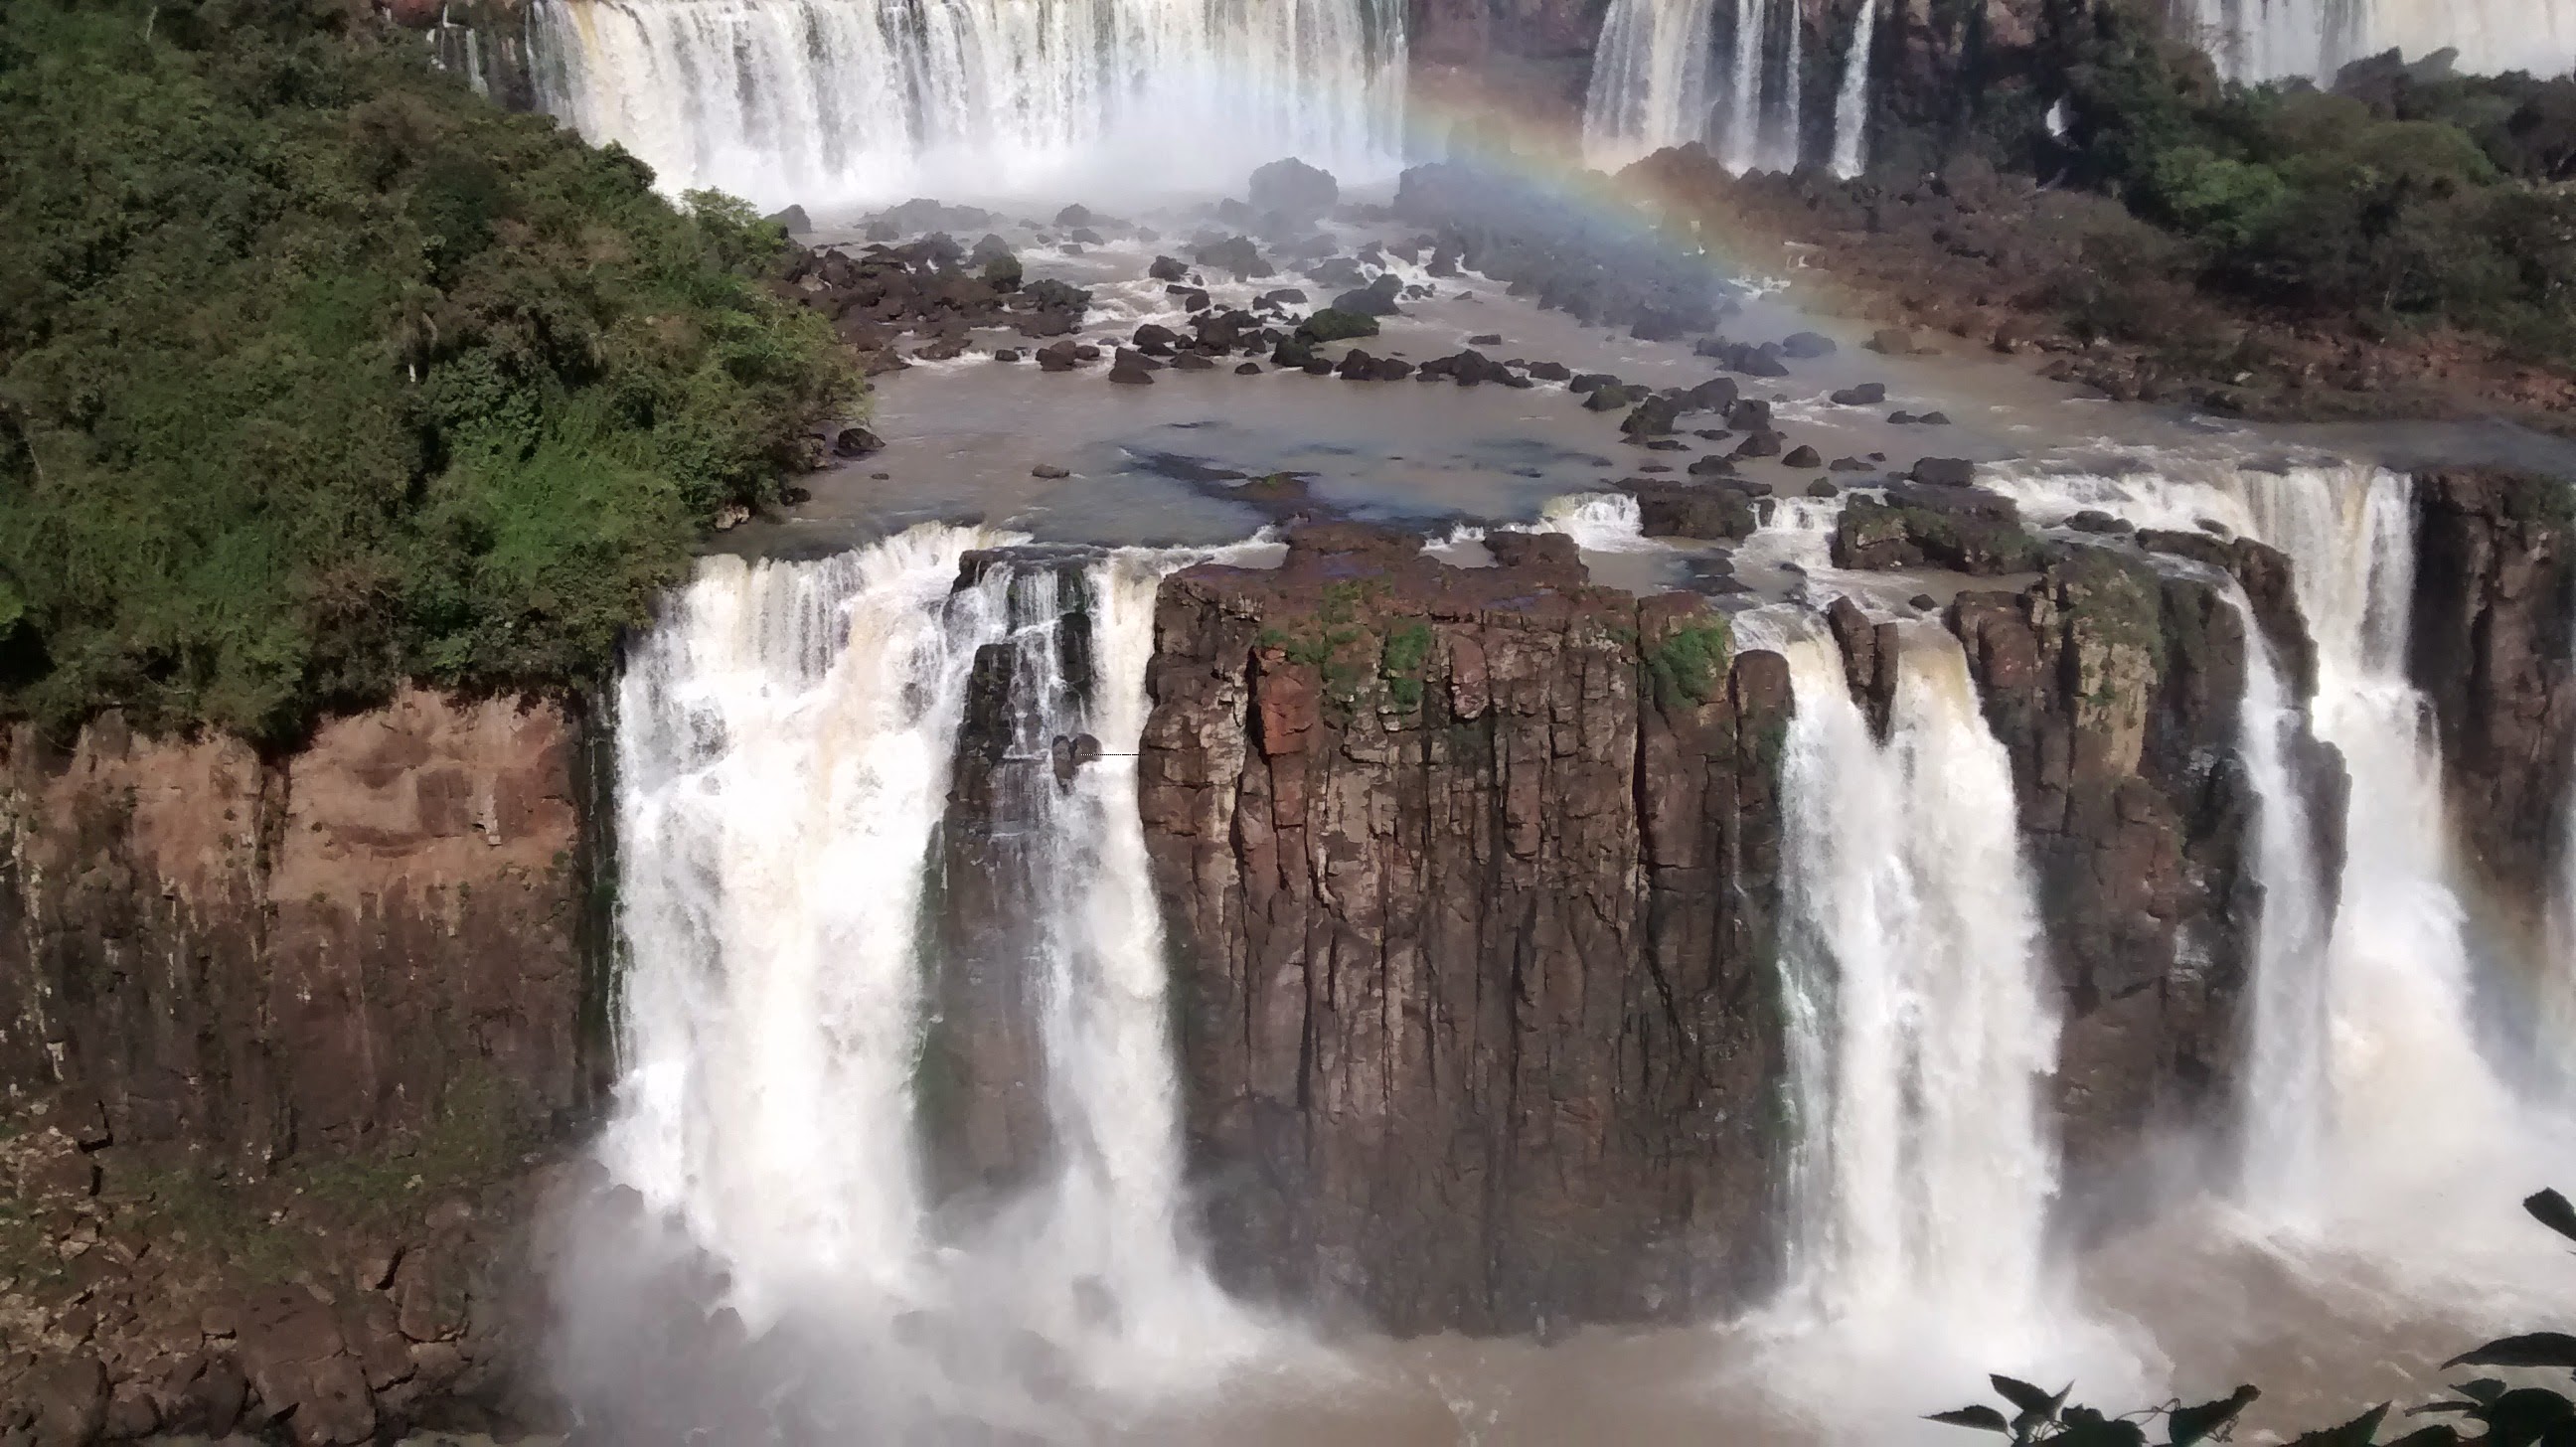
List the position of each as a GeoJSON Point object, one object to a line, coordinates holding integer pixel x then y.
{"type": "Point", "coordinates": [318, 373]}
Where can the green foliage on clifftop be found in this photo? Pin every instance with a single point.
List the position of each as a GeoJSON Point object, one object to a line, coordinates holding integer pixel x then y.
{"type": "Point", "coordinates": [2403, 196]}
{"type": "Point", "coordinates": [318, 373]}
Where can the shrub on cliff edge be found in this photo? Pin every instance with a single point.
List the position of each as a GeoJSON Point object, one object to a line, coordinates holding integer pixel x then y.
{"type": "Point", "coordinates": [318, 373]}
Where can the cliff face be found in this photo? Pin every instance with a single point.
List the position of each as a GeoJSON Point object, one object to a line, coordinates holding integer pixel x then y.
{"type": "Point", "coordinates": [261, 959]}
{"type": "Point", "coordinates": [2116, 692]}
{"type": "Point", "coordinates": [1471, 876]}
{"type": "Point", "coordinates": [2494, 606]}
{"type": "Point", "coordinates": [273, 1024]}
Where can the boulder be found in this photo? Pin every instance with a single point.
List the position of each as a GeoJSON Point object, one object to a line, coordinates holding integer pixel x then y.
{"type": "Point", "coordinates": [1806, 346]}
{"type": "Point", "coordinates": [1944, 471]}
{"type": "Point", "coordinates": [1333, 324]}
{"type": "Point", "coordinates": [1236, 255]}
{"type": "Point", "coordinates": [1293, 191]}
{"type": "Point", "coordinates": [1867, 394]}
{"type": "Point", "coordinates": [793, 218]}
{"type": "Point", "coordinates": [1377, 299]}
{"type": "Point", "coordinates": [1801, 456]}
{"type": "Point", "coordinates": [1894, 342]}
{"type": "Point", "coordinates": [1652, 417]}
{"type": "Point", "coordinates": [1168, 268]}
{"type": "Point", "coordinates": [1131, 368]}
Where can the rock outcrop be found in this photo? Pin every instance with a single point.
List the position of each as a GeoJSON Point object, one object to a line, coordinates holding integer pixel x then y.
{"type": "Point", "coordinates": [2494, 607]}
{"type": "Point", "coordinates": [2117, 693]}
{"type": "Point", "coordinates": [1471, 877]}
{"type": "Point", "coordinates": [278, 1026]}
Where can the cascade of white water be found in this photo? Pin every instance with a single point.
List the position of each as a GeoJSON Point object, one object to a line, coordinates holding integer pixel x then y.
{"type": "Point", "coordinates": [1851, 106]}
{"type": "Point", "coordinates": [2401, 1074]}
{"type": "Point", "coordinates": [785, 739]}
{"type": "Point", "coordinates": [823, 102]}
{"type": "Point", "coordinates": [1743, 140]}
{"type": "Point", "coordinates": [1114, 1218]}
{"type": "Point", "coordinates": [1654, 78]}
{"type": "Point", "coordinates": [2287, 1110]}
{"type": "Point", "coordinates": [1649, 86]}
{"type": "Point", "coordinates": [1919, 1026]}
{"type": "Point", "coordinates": [786, 728]}
{"type": "Point", "coordinates": [1785, 120]}
{"type": "Point", "coordinates": [2262, 39]}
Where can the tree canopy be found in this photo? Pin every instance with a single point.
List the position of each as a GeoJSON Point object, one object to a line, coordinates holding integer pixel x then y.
{"type": "Point", "coordinates": [319, 373]}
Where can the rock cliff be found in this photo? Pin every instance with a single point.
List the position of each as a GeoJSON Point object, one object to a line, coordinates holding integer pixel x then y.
{"type": "Point", "coordinates": [2494, 606]}
{"type": "Point", "coordinates": [2116, 690]}
{"type": "Point", "coordinates": [1471, 877]}
{"type": "Point", "coordinates": [279, 1029]}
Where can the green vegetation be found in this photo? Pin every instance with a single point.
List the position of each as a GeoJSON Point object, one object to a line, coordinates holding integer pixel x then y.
{"type": "Point", "coordinates": [1401, 661]}
{"type": "Point", "coordinates": [1689, 666]}
{"type": "Point", "coordinates": [2405, 197]}
{"type": "Point", "coordinates": [317, 373]}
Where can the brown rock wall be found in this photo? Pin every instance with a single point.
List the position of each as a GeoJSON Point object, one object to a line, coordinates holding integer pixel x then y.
{"type": "Point", "coordinates": [1472, 922]}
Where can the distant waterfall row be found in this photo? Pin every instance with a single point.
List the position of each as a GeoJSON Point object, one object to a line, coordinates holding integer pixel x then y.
{"type": "Point", "coordinates": [1743, 76]}
{"type": "Point", "coordinates": [2262, 39]}
{"type": "Point", "coordinates": [846, 101]}
{"type": "Point", "coordinates": [1729, 73]}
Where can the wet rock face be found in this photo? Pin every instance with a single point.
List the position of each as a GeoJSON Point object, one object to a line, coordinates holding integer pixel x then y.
{"type": "Point", "coordinates": [2495, 599]}
{"type": "Point", "coordinates": [2116, 692]}
{"type": "Point", "coordinates": [225, 979]}
{"type": "Point", "coordinates": [1471, 876]}
{"type": "Point", "coordinates": [263, 958]}
{"type": "Point", "coordinates": [983, 1064]}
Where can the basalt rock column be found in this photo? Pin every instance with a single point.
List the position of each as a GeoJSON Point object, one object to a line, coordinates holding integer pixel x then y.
{"type": "Point", "coordinates": [1471, 875]}
{"type": "Point", "coordinates": [2116, 692]}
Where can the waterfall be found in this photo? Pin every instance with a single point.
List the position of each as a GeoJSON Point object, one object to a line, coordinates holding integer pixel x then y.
{"type": "Point", "coordinates": [2263, 39]}
{"type": "Point", "coordinates": [825, 102]}
{"type": "Point", "coordinates": [2396, 1062]}
{"type": "Point", "coordinates": [787, 728]}
{"type": "Point", "coordinates": [2287, 1071]}
{"type": "Point", "coordinates": [1743, 139]}
{"type": "Point", "coordinates": [1653, 74]}
{"type": "Point", "coordinates": [1851, 107]}
{"type": "Point", "coordinates": [1649, 86]}
{"type": "Point", "coordinates": [1919, 1026]}
{"type": "Point", "coordinates": [786, 738]}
